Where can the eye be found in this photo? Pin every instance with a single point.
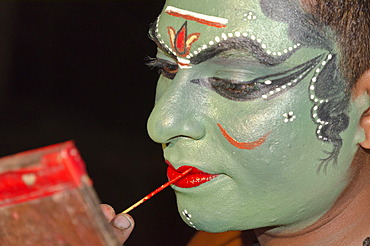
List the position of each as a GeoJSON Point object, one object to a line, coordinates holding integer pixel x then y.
{"type": "Point", "coordinates": [166, 68]}
{"type": "Point", "coordinates": [266, 86]}
{"type": "Point", "coordinates": [233, 88]}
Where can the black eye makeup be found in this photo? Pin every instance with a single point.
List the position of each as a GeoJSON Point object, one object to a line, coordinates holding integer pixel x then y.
{"type": "Point", "coordinates": [166, 68]}
{"type": "Point", "coordinates": [266, 86]}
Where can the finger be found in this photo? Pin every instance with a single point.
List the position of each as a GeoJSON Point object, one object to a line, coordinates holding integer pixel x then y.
{"type": "Point", "coordinates": [123, 224]}
{"type": "Point", "coordinates": [108, 211]}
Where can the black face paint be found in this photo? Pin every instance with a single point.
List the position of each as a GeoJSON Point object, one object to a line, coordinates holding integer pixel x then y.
{"type": "Point", "coordinates": [330, 86]}
{"type": "Point", "coordinates": [256, 88]}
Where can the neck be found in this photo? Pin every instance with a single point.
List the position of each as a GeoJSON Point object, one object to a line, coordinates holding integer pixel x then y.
{"type": "Point", "coordinates": [346, 223]}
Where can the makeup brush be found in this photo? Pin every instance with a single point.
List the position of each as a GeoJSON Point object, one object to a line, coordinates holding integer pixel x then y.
{"type": "Point", "coordinates": [150, 195]}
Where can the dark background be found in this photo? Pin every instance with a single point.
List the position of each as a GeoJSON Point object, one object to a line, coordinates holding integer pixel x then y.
{"type": "Point", "coordinates": [75, 70]}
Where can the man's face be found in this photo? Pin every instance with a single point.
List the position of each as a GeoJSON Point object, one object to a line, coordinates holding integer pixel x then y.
{"type": "Point", "coordinates": [251, 92]}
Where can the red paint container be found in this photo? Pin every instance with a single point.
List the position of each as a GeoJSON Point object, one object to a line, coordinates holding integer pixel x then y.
{"type": "Point", "coordinates": [47, 198]}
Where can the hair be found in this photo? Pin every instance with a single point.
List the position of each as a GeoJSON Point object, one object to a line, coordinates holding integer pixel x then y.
{"type": "Point", "coordinates": [350, 21]}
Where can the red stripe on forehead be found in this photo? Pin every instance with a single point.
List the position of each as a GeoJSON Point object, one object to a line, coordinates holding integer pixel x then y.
{"type": "Point", "coordinates": [201, 21]}
{"type": "Point", "coordinates": [200, 18]}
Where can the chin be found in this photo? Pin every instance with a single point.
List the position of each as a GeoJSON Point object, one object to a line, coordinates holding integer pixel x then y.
{"type": "Point", "coordinates": [213, 222]}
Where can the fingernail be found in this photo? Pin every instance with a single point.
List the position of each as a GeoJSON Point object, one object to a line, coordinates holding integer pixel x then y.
{"type": "Point", "coordinates": [121, 222]}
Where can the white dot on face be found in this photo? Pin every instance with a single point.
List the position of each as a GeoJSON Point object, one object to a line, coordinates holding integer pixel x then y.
{"type": "Point", "coordinates": [279, 53]}
{"type": "Point", "coordinates": [285, 51]}
{"type": "Point", "coordinates": [295, 46]}
{"type": "Point", "coordinates": [314, 115]}
{"type": "Point", "coordinates": [290, 48]}
{"type": "Point", "coordinates": [188, 56]}
{"type": "Point", "coordinates": [312, 87]}
{"type": "Point", "coordinates": [224, 36]}
{"type": "Point", "coordinates": [217, 39]}
{"type": "Point", "coordinates": [268, 52]}
{"type": "Point", "coordinates": [230, 34]}
{"type": "Point", "coordinates": [315, 108]}
{"type": "Point", "coordinates": [290, 113]}
{"type": "Point", "coordinates": [278, 89]}
{"type": "Point", "coordinates": [271, 92]}
{"type": "Point", "coordinates": [253, 37]}
{"type": "Point", "coordinates": [259, 40]}
{"type": "Point", "coordinates": [204, 46]}
{"type": "Point", "coordinates": [211, 43]}
{"type": "Point", "coordinates": [264, 96]}
{"type": "Point", "coordinates": [283, 87]}
{"type": "Point", "coordinates": [314, 79]}
{"type": "Point", "coordinates": [237, 34]}
{"type": "Point", "coordinates": [245, 34]}
{"type": "Point", "coordinates": [268, 82]}
{"type": "Point", "coordinates": [249, 17]}
{"type": "Point", "coordinates": [318, 70]}
{"type": "Point", "coordinates": [330, 56]}
{"type": "Point", "coordinates": [274, 53]}
{"type": "Point", "coordinates": [263, 46]}
{"type": "Point", "coordinates": [312, 96]}
{"type": "Point", "coordinates": [254, 17]}
{"type": "Point", "coordinates": [323, 63]}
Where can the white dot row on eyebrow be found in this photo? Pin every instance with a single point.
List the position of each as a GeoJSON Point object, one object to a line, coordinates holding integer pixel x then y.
{"type": "Point", "coordinates": [225, 36]}
{"type": "Point", "coordinates": [316, 100]}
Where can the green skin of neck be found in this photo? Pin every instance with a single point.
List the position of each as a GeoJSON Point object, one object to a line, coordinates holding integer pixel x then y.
{"type": "Point", "coordinates": [275, 184]}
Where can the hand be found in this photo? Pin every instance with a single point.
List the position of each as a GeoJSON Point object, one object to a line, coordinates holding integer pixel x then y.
{"type": "Point", "coordinates": [122, 224]}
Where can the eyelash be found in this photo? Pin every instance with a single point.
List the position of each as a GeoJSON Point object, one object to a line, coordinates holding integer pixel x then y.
{"type": "Point", "coordinates": [166, 68]}
{"type": "Point", "coordinates": [233, 88]}
{"type": "Point", "coordinates": [249, 90]}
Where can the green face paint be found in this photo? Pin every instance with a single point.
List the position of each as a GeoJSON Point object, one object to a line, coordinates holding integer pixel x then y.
{"type": "Point", "coordinates": [252, 92]}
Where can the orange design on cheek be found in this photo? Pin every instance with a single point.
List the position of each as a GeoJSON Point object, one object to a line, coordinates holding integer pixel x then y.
{"type": "Point", "coordinates": [243, 145]}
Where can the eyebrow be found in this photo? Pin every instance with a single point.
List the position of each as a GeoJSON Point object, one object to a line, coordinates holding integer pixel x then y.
{"type": "Point", "coordinates": [245, 44]}
{"type": "Point", "coordinates": [241, 44]}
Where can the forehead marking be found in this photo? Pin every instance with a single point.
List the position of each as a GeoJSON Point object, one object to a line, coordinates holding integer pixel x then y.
{"type": "Point", "coordinates": [220, 38]}
{"type": "Point", "coordinates": [200, 18]}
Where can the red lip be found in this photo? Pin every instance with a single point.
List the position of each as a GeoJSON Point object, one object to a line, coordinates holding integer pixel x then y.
{"type": "Point", "coordinates": [195, 178]}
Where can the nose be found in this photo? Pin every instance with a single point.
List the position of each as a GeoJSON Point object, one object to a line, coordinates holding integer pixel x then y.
{"type": "Point", "coordinates": [178, 112]}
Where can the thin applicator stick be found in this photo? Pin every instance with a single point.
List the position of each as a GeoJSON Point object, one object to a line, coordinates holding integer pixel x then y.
{"type": "Point", "coordinates": [147, 197]}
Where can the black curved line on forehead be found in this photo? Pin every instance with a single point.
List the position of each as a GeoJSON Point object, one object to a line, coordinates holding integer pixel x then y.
{"type": "Point", "coordinates": [241, 44]}
{"type": "Point", "coordinates": [302, 27]}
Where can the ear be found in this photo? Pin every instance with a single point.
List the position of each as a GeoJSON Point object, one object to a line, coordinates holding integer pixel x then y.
{"type": "Point", "coordinates": [365, 124]}
{"type": "Point", "coordinates": [363, 86]}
